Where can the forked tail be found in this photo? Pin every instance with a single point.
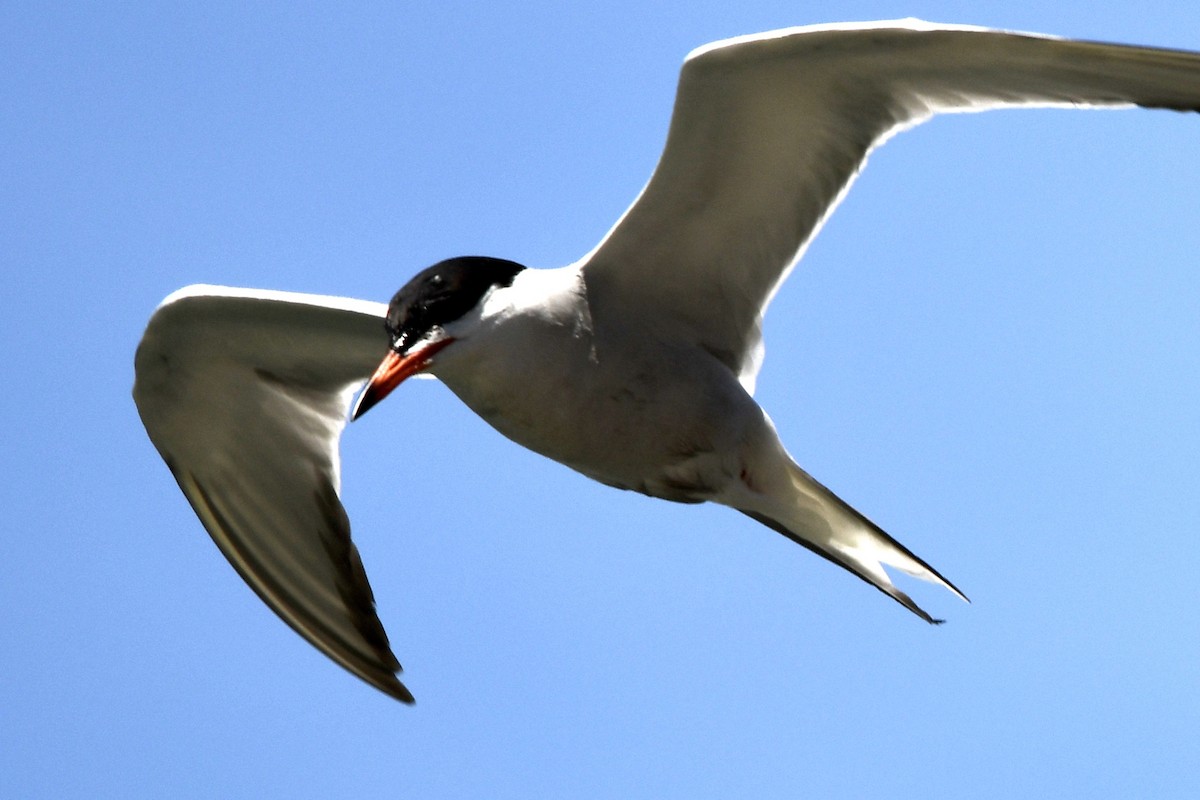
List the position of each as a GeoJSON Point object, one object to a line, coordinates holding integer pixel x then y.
{"type": "Point", "coordinates": [827, 525]}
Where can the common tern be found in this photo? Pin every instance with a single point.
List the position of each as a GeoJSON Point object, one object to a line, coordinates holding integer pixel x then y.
{"type": "Point", "coordinates": [634, 365]}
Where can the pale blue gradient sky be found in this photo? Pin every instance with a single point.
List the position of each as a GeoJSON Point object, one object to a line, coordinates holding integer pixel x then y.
{"type": "Point", "coordinates": [991, 350]}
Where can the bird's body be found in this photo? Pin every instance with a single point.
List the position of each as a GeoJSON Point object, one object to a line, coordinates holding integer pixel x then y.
{"type": "Point", "coordinates": [634, 405]}
{"type": "Point", "coordinates": [655, 418]}
{"type": "Point", "coordinates": [635, 365]}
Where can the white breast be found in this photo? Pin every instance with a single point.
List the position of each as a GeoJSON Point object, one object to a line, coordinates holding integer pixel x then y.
{"type": "Point", "coordinates": [610, 398]}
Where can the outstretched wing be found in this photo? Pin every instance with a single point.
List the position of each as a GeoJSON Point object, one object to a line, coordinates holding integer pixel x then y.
{"type": "Point", "coordinates": [768, 132]}
{"type": "Point", "coordinates": [245, 394]}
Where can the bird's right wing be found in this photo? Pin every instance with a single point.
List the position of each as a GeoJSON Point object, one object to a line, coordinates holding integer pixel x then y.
{"type": "Point", "coordinates": [245, 394]}
{"type": "Point", "coordinates": [769, 130]}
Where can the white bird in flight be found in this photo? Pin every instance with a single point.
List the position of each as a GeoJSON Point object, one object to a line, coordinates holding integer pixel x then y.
{"type": "Point", "coordinates": [636, 364]}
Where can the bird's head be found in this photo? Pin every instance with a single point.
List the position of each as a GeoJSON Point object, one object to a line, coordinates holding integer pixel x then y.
{"type": "Point", "coordinates": [422, 315]}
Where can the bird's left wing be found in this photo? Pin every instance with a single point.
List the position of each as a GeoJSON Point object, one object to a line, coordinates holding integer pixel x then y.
{"type": "Point", "coordinates": [245, 394]}
{"type": "Point", "coordinates": [769, 130]}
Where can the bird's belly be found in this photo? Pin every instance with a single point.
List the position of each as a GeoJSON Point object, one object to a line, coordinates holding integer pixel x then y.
{"type": "Point", "coordinates": [648, 424]}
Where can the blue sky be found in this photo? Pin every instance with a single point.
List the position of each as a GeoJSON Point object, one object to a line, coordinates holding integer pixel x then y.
{"type": "Point", "coordinates": [990, 350]}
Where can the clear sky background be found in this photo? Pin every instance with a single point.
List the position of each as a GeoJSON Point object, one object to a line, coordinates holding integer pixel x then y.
{"type": "Point", "coordinates": [991, 350]}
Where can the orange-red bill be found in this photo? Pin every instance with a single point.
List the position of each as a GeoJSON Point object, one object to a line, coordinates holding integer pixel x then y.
{"type": "Point", "coordinates": [393, 371]}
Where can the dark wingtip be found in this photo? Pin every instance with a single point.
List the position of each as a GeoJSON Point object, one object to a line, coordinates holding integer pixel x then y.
{"type": "Point", "coordinates": [401, 693]}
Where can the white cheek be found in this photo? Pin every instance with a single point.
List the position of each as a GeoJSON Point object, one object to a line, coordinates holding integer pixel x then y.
{"type": "Point", "coordinates": [432, 336]}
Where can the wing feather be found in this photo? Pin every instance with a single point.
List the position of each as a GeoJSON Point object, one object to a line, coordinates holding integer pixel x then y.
{"type": "Point", "coordinates": [768, 132]}
{"type": "Point", "coordinates": [245, 395]}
